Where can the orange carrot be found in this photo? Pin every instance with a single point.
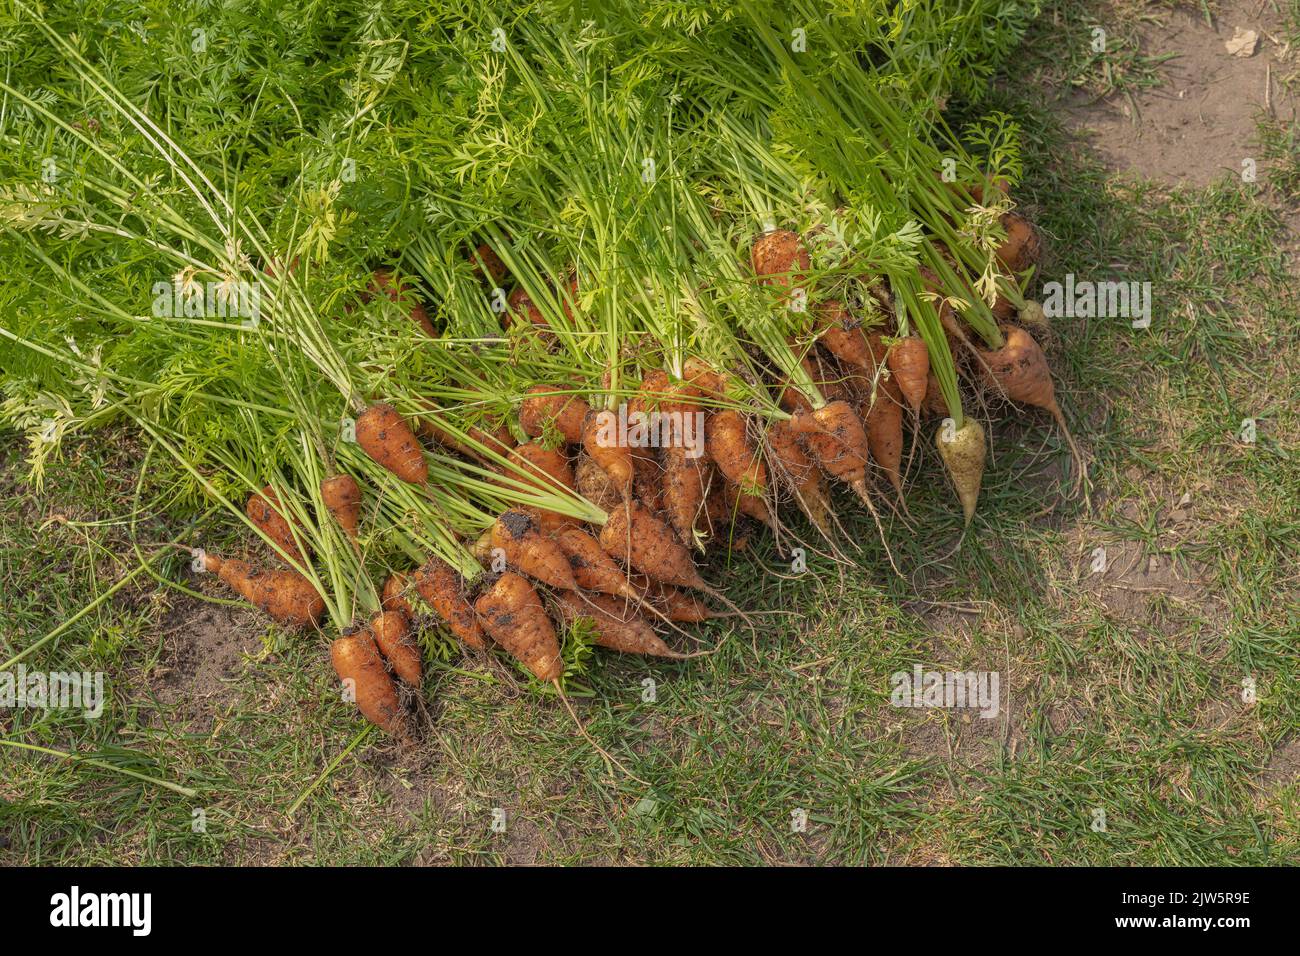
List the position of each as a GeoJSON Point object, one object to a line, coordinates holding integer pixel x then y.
{"type": "Point", "coordinates": [934, 404]}
{"type": "Point", "coordinates": [977, 190]}
{"type": "Point", "coordinates": [637, 538]}
{"type": "Point", "coordinates": [356, 659]}
{"type": "Point", "coordinates": [616, 623]}
{"type": "Point", "coordinates": [263, 509]}
{"type": "Point", "coordinates": [842, 335]}
{"type": "Point", "coordinates": [385, 437]}
{"type": "Point", "coordinates": [1023, 247]}
{"type": "Point", "coordinates": [704, 379]}
{"type": "Point", "coordinates": [883, 420]}
{"type": "Point", "coordinates": [546, 468]}
{"type": "Point", "coordinates": [662, 402]}
{"type": "Point", "coordinates": [684, 484]}
{"type": "Point", "coordinates": [805, 478]}
{"type": "Point", "coordinates": [838, 442]}
{"type": "Point", "coordinates": [909, 363]}
{"type": "Point", "coordinates": [516, 533]}
{"type": "Point", "coordinates": [1003, 309]}
{"type": "Point", "coordinates": [601, 441]}
{"type": "Point", "coordinates": [593, 484]}
{"type": "Point", "coordinates": [382, 281]}
{"type": "Point", "coordinates": [678, 606]}
{"type": "Point", "coordinates": [542, 407]}
{"type": "Point", "coordinates": [660, 393]}
{"type": "Point", "coordinates": [521, 305]}
{"type": "Point", "coordinates": [286, 596]}
{"type": "Point", "coordinates": [648, 488]}
{"type": "Point", "coordinates": [645, 466]}
{"type": "Point", "coordinates": [1020, 371]}
{"type": "Point", "coordinates": [487, 264]}
{"type": "Point", "coordinates": [392, 633]}
{"type": "Point", "coordinates": [342, 497]}
{"type": "Point", "coordinates": [592, 568]}
{"type": "Point", "coordinates": [780, 257]}
{"type": "Point", "coordinates": [444, 591]}
{"type": "Point", "coordinates": [513, 616]}
{"type": "Point", "coordinates": [727, 443]}
{"type": "Point", "coordinates": [747, 504]}
{"type": "Point", "coordinates": [394, 595]}
{"type": "Point", "coordinates": [496, 438]}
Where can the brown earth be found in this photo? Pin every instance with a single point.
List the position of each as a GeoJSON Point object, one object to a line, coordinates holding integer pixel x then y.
{"type": "Point", "coordinates": [1199, 124]}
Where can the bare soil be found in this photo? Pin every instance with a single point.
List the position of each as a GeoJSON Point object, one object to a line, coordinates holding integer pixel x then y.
{"type": "Point", "coordinates": [1199, 124]}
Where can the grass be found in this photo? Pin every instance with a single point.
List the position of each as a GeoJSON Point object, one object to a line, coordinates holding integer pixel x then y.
{"type": "Point", "coordinates": [1123, 690]}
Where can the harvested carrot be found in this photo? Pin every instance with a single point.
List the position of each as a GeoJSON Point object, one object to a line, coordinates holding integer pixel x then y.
{"type": "Point", "coordinates": [512, 614]}
{"type": "Point", "coordinates": [356, 659]}
{"type": "Point", "coordinates": [495, 439]}
{"type": "Point", "coordinates": [805, 478]}
{"type": "Point", "coordinates": [684, 484]}
{"type": "Point", "coordinates": [383, 281]}
{"type": "Point", "coordinates": [909, 362]}
{"type": "Point", "coordinates": [842, 335]}
{"type": "Point", "coordinates": [935, 404]}
{"type": "Point", "coordinates": [342, 497]}
{"type": "Point", "coordinates": [1020, 370]}
{"type": "Point", "coordinates": [264, 510]}
{"type": "Point", "coordinates": [678, 606]}
{"type": "Point", "coordinates": [543, 406]}
{"type": "Point", "coordinates": [883, 420]}
{"type": "Point", "coordinates": [726, 440]}
{"type": "Point", "coordinates": [1003, 309]}
{"type": "Point", "coordinates": [747, 504]}
{"type": "Point", "coordinates": [999, 184]}
{"type": "Point", "coordinates": [385, 437]}
{"type": "Point", "coordinates": [832, 382]}
{"type": "Point", "coordinates": [639, 539]}
{"type": "Point", "coordinates": [600, 440]}
{"type": "Point", "coordinates": [963, 450]}
{"type": "Point", "coordinates": [718, 514]}
{"type": "Point", "coordinates": [444, 591]}
{"type": "Point", "coordinates": [394, 595]}
{"type": "Point", "coordinates": [517, 534]}
{"type": "Point", "coordinates": [520, 305]}
{"type": "Point", "coordinates": [780, 257]}
{"type": "Point", "coordinates": [792, 399]}
{"type": "Point", "coordinates": [648, 487]}
{"type": "Point", "coordinates": [663, 394]}
{"type": "Point", "coordinates": [593, 484]}
{"type": "Point", "coordinates": [546, 468]}
{"type": "Point", "coordinates": [487, 264]}
{"type": "Point", "coordinates": [645, 466]}
{"type": "Point", "coordinates": [838, 442]}
{"type": "Point", "coordinates": [616, 623]}
{"type": "Point", "coordinates": [286, 596]}
{"type": "Point", "coordinates": [392, 633]}
{"type": "Point", "coordinates": [592, 568]}
{"type": "Point", "coordinates": [827, 374]}
{"type": "Point", "coordinates": [1023, 246]}
{"type": "Point", "coordinates": [703, 378]}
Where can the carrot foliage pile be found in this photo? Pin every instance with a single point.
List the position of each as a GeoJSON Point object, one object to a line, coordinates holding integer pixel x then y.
{"type": "Point", "coordinates": [496, 323]}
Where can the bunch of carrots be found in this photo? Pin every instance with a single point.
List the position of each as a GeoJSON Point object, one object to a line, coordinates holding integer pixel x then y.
{"type": "Point", "coordinates": [439, 439]}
